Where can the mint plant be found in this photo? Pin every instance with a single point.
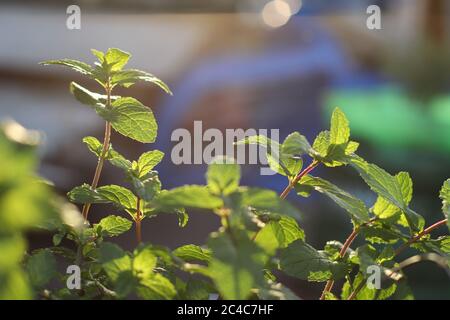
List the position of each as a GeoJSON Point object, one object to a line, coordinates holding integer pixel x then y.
{"type": "Point", "coordinates": [259, 235]}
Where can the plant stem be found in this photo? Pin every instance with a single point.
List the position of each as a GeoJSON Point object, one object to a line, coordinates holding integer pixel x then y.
{"type": "Point", "coordinates": [346, 245]}
{"type": "Point", "coordinates": [402, 248]}
{"type": "Point", "coordinates": [101, 159]}
{"type": "Point", "coordinates": [357, 290]}
{"type": "Point", "coordinates": [138, 221]}
{"type": "Point", "coordinates": [419, 236]}
{"type": "Point", "coordinates": [293, 182]}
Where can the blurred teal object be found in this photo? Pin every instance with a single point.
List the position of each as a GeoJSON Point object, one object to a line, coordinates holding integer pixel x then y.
{"type": "Point", "coordinates": [388, 117]}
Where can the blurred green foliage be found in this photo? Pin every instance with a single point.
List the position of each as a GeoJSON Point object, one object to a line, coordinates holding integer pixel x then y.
{"type": "Point", "coordinates": [26, 201]}
{"type": "Point", "coordinates": [388, 117]}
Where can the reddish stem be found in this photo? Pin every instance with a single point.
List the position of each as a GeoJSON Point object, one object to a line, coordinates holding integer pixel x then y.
{"type": "Point", "coordinates": [293, 182]}
{"type": "Point", "coordinates": [101, 159]}
{"type": "Point", "coordinates": [347, 243]}
{"type": "Point", "coordinates": [419, 236]}
{"type": "Point", "coordinates": [98, 169]}
{"type": "Point", "coordinates": [138, 221]}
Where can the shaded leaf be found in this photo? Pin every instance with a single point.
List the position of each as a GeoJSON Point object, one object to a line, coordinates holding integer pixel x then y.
{"type": "Point", "coordinates": [355, 207]}
{"type": "Point", "coordinates": [279, 234]}
{"type": "Point", "coordinates": [268, 200]}
{"type": "Point", "coordinates": [41, 268]}
{"type": "Point", "coordinates": [302, 261]}
{"type": "Point", "coordinates": [235, 267]}
{"type": "Point", "coordinates": [223, 176]}
{"type": "Point", "coordinates": [114, 260]}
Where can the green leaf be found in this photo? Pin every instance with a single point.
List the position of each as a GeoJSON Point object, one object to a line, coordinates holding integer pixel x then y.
{"type": "Point", "coordinates": [355, 207]}
{"type": "Point", "coordinates": [292, 148]}
{"type": "Point", "coordinates": [273, 150]}
{"type": "Point", "coordinates": [279, 234]}
{"type": "Point", "coordinates": [154, 208]}
{"type": "Point", "coordinates": [146, 187]}
{"type": "Point", "coordinates": [194, 196]}
{"type": "Point", "coordinates": [183, 217]}
{"type": "Point", "coordinates": [444, 194]}
{"type": "Point", "coordinates": [276, 291]}
{"type": "Point", "coordinates": [332, 155]}
{"type": "Point", "coordinates": [364, 294]}
{"type": "Point", "coordinates": [112, 226]}
{"type": "Point", "coordinates": [235, 267]}
{"type": "Point", "coordinates": [192, 253]}
{"type": "Point", "coordinates": [440, 245]}
{"type": "Point", "coordinates": [127, 78]}
{"type": "Point", "coordinates": [333, 148]}
{"type": "Point", "coordinates": [144, 262]}
{"type": "Point", "coordinates": [387, 187]}
{"type": "Point", "coordinates": [156, 287]}
{"type": "Point", "coordinates": [125, 284]}
{"type": "Point", "coordinates": [333, 248]}
{"type": "Point", "coordinates": [296, 144]}
{"type": "Point", "coordinates": [223, 176]}
{"type": "Point", "coordinates": [100, 55]}
{"type": "Point", "coordinates": [339, 129]}
{"type": "Point", "coordinates": [403, 292]}
{"type": "Point", "coordinates": [93, 145]}
{"type": "Point", "coordinates": [302, 261]}
{"type": "Point", "coordinates": [271, 145]}
{"type": "Point", "coordinates": [84, 194]}
{"type": "Point", "coordinates": [197, 290]}
{"type": "Point", "coordinates": [115, 59]}
{"type": "Point", "coordinates": [283, 159]}
{"type": "Point", "coordinates": [87, 97]}
{"type": "Point", "coordinates": [385, 210]}
{"type": "Point", "coordinates": [41, 268]}
{"type": "Point", "coordinates": [119, 196]}
{"type": "Point", "coordinates": [76, 65]}
{"type": "Point", "coordinates": [114, 260]}
{"type": "Point", "coordinates": [381, 233]}
{"type": "Point", "coordinates": [147, 161]}
{"type": "Point", "coordinates": [367, 255]}
{"type": "Point", "coordinates": [268, 200]}
{"type": "Point", "coordinates": [112, 156]}
{"type": "Point", "coordinates": [132, 119]}
{"type": "Point", "coordinates": [321, 144]}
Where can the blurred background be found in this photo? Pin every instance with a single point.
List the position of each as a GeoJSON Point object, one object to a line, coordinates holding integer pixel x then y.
{"type": "Point", "coordinates": [273, 64]}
